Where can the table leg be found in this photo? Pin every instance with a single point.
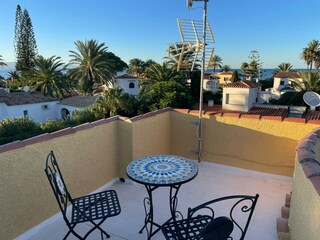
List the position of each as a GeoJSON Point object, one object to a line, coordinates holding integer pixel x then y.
{"type": "Point", "coordinates": [174, 201]}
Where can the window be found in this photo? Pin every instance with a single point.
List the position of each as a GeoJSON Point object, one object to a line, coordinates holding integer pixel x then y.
{"type": "Point", "coordinates": [235, 99]}
{"type": "Point", "coordinates": [131, 85]}
{"type": "Point", "coordinates": [281, 83]}
{"type": "Point", "coordinates": [25, 113]}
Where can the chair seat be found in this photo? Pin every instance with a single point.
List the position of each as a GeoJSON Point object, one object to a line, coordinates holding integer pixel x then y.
{"type": "Point", "coordinates": [201, 227]}
{"type": "Point", "coordinates": [185, 228]}
{"type": "Point", "coordinates": [95, 206]}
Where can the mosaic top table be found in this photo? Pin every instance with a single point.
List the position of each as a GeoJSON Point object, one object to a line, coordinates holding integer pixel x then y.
{"type": "Point", "coordinates": [161, 171]}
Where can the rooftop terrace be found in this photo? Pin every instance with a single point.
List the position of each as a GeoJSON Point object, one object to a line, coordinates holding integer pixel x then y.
{"type": "Point", "coordinates": [247, 155]}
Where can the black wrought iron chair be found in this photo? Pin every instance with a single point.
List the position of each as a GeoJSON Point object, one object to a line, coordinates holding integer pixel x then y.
{"type": "Point", "coordinates": [205, 223]}
{"type": "Point", "coordinates": [97, 206]}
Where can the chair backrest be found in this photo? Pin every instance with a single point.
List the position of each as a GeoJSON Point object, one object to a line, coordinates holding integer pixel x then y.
{"type": "Point", "coordinates": [57, 183]}
{"type": "Point", "coordinates": [236, 221]}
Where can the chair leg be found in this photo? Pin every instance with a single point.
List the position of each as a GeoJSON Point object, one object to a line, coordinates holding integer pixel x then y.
{"type": "Point", "coordinates": [97, 226]}
{"type": "Point", "coordinates": [73, 232]}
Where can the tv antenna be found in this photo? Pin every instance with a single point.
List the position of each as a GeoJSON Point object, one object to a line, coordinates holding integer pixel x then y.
{"type": "Point", "coordinates": [312, 99]}
{"type": "Point", "coordinates": [196, 38]}
{"type": "Point", "coordinates": [196, 44]}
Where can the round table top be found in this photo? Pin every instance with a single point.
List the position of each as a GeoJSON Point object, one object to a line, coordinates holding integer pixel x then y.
{"type": "Point", "coordinates": [162, 170]}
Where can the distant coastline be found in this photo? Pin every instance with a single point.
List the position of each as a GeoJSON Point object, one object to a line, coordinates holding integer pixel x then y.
{"type": "Point", "coordinates": [266, 73]}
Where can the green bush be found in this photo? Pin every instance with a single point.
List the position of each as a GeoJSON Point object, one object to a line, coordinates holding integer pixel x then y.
{"type": "Point", "coordinates": [12, 129]}
{"type": "Point", "coordinates": [55, 125]}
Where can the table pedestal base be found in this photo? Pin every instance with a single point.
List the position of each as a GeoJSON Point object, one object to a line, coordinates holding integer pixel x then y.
{"type": "Point", "coordinates": [148, 207]}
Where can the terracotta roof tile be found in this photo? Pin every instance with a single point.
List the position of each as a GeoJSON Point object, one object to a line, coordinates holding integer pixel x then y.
{"type": "Point", "coordinates": [287, 75]}
{"type": "Point", "coordinates": [275, 112]}
{"type": "Point", "coordinates": [243, 84]}
{"type": "Point", "coordinates": [21, 98]}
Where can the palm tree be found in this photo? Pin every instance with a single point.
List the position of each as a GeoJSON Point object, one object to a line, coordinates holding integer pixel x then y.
{"type": "Point", "coordinates": [136, 67]}
{"type": "Point", "coordinates": [93, 67]}
{"type": "Point", "coordinates": [113, 101]}
{"type": "Point", "coordinates": [159, 73]}
{"type": "Point", "coordinates": [283, 67]}
{"type": "Point", "coordinates": [311, 54]}
{"type": "Point", "coordinates": [162, 72]}
{"type": "Point", "coordinates": [47, 76]}
{"type": "Point", "coordinates": [13, 75]}
{"type": "Point", "coordinates": [215, 62]}
{"type": "Point", "coordinates": [2, 63]}
{"type": "Point", "coordinates": [225, 68]}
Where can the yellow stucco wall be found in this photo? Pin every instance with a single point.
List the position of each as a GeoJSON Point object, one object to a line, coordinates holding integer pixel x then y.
{"type": "Point", "coordinates": [304, 222]}
{"type": "Point", "coordinates": [262, 145]}
{"type": "Point", "coordinates": [92, 157]}
{"type": "Point", "coordinates": [88, 160]}
{"type": "Point", "coordinates": [151, 136]}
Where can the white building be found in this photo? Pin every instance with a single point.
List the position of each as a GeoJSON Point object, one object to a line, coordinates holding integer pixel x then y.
{"type": "Point", "coordinates": [129, 84]}
{"type": "Point", "coordinates": [240, 96]}
{"type": "Point", "coordinates": [35, 106]}
{"type": "Point", "coordinates": [281, 80]}
{"type": "Point", "coordinates": [210, 83]}
{"type": "Point", "coordinates": [69, 105]}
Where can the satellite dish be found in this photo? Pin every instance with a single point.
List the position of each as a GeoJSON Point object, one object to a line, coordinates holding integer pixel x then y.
{"type": "Point", "coordinates": [189, 4]}
{"type": "Point", "coordinates": [312, 99]}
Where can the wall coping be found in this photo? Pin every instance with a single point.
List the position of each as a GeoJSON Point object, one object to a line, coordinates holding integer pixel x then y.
{"type": "Point", "coordinates": [308, 159]}
{"type": "Point", "coordinates": [71, 130]}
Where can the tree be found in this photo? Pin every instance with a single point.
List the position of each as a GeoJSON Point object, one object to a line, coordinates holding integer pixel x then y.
{"type": "Point", "coordinates": [283, 67]}
{"type": "Point", "coordinates": [235, 77]}
{"type": "Point", "coordinates": [253, 67]}
{"type": "Point", "coordinates": [215, 62]}
{"type": "Point", "coordinates": [115, 101]}
{"type": "Point", "coordinates": [47, 77]}
{"type": "Point", "coordinates": [136, 67]}
{"type": "Point", "coordinates": [165, 94]}
{"type": "Point", "coordinates": [2, 63]}
{"type": "Point", "coordinates": [225, 68]}
{"type": "Point", "coordinates": [311, 54]}
{"type": "Point", "coordinates": [93, 67]}
{"type": "Point", "coordinates": [25, 42]}
{"type": "Point", "coordinates": [118, 64]}
{"type": "Point", "coordinates": [13, 75]}
{"type": "Point", "coordinates": [159, 73]}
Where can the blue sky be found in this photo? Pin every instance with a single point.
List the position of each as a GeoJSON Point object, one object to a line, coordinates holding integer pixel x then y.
{"type": "Point", "coordinates": [278, 29]}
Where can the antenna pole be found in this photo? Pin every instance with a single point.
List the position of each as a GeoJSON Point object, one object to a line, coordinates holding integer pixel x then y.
{"type": "Point", "coordinates": [201, 81]}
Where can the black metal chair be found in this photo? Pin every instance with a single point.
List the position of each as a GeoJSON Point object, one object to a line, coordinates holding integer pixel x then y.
{"type": "Point", "coordinates": [97, 206]}
{"type": "Point", "coordinates": [203, 222]}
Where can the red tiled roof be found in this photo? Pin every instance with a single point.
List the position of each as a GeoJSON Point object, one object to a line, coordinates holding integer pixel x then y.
{"type": "Point", "coordinates": [281, 112]}
{"type": "Point", "coordinates": [126, 76]}
{"type": "Point", "coordinates": [312, 115]}
{"type": "Point", "coordinates": [243, 84]}
{"type": "Point", "coordinates": [287, 75]}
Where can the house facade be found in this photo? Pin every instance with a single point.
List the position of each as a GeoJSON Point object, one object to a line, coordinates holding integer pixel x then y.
{"type": "Point", "coordinates": [281, 80]}
{"type": "Point", "coordinates": [129, 84]}
{"type": "Point", "coordinates": [35, 106]}
{"type": "Point", "coordinates": [240, 96]}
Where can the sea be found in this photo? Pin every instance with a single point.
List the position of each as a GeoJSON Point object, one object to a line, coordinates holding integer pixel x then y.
{"type": "Point", "coordinates": [265, 73]}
